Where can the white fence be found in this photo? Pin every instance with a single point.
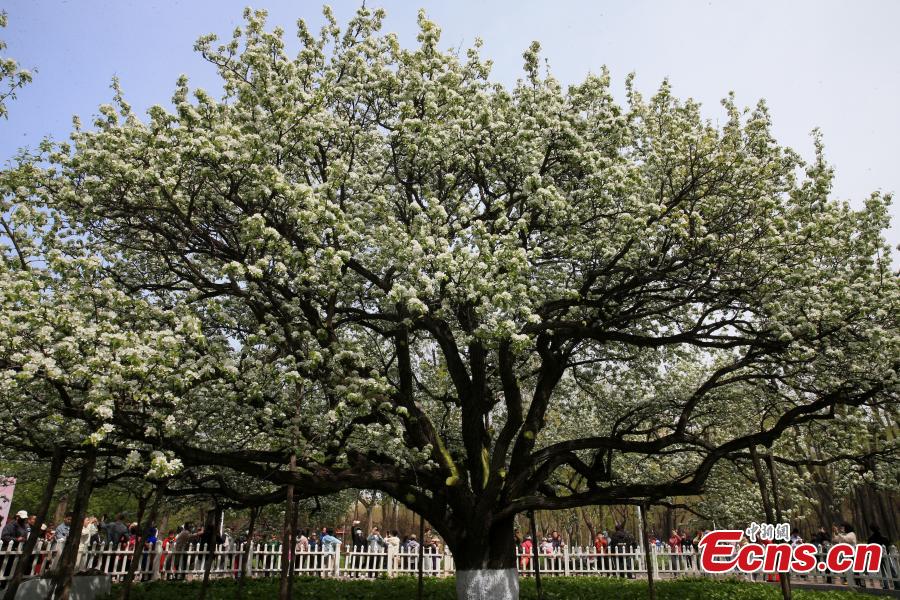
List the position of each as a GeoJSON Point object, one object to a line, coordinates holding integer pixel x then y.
{"type": "Point", "coordinates": [264, 560]}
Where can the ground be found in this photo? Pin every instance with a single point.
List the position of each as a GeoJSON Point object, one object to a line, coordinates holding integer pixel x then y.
{"type": "Point", "coordinates": [556, 588]}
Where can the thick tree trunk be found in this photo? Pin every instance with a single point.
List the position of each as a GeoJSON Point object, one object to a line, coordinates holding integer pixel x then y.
{"type": "Point", "coordinates": [65, 568]}
{"type": "Point", "coordinates": [485, 559]}
{"type": "Point", "coordinates": [56, 465]}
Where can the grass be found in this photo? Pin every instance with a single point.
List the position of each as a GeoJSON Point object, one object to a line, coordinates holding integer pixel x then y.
{"type": "Point", "coordinates": [404, 588]}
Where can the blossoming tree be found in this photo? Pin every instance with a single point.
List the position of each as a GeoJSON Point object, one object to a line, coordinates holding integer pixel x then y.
{"type": "Point", "coordinates": [475, 299]}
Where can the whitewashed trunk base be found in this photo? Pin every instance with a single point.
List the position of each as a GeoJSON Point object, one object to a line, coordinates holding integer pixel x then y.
{"type": "Point", "coordinates": [487, 584]}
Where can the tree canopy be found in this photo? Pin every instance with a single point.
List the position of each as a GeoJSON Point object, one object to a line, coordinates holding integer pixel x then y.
{"type": "Point", "coordinates": [479, 300]}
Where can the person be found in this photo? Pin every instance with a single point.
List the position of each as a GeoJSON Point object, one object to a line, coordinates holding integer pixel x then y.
{"type": "Point", "coordinates": [393, 544]}
{"type": "Point", "coordinates": [601, 547]}
{"type": "Point", "coordinates": [675, 541]}
{"type": "Point", "coordinates": [688, 546]}
{"type": "Point", "coordinates": [527, 552]}
{"type": "Point", "coordinates": [393, 539]}
{"type": "Point", "coordinates": [357, 536]}
{"type": "Point", "coordinates": [845, 535]}
{"type": "Point", "coordinates": [15, 532]}
{"type": "Point", "coordinates": [183, 540]}
{"type": "Point", "coordinates": [90, 533]}
{"type": "Point", "coordinates": [150, 539]}
{"type": "Point", "coordinates": [376, 545]}
{"type": "Point", "coordinates": [546, 546]}
{"type": "Point", "coordinates": [621, 541]}
{"type": "Point", "coordinates": [13, 535]}
{"type": "Point", "coordinates": [62, 530]}
{"type": "Point", "coordinates": [329, 542]}
{"type": "Point", "coordinates": [303, 541]}
{"type": "Point", "coordinates": [376, 542]}
{"type": "Point", "coordinates": [209, 536]}
{"type": "Point", "coordinates": [820, 538]}
{"type": "Point", "coordinates": [886, 568]}
{"type": "Point", "coordinates": [556, 540]}
{"type": "Point", "coordinates": [117, 531]}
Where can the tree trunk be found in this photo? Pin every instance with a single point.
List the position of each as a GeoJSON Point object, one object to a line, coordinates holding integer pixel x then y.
{"type": "Point", "coordinates": [210, 548]}
{"type": "Point", "coordinates": [285, 583]}
{"type": "Point", "coordinates": [56, 465]}
{"type": "Point", "coordinates": [485, 559]}
{"type": "Point", "coordinates": [254, 513]}
{"type": "Point", "coordinates": [138, 545]}
{"type": "Point", "coordinates": [294, 525]}
{"type": "Point", "coordinates": [785, 578]}
{"type": "Point", "coordinates": [648, 555]}
{"type": "Point", "coordinates": [65, 569]}
{"type": "Point", "coordinates": [141, 539]}
{"type": "Point", "coordinates": [767, 505]}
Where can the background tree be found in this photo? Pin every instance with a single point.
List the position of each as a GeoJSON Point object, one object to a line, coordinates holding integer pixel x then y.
{"type": "Point", "coordinates": [12, 76]}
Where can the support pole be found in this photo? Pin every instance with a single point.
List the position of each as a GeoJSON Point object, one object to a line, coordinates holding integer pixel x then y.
{"type": "Point", "coordinates": [420, 593]}
{"type": "Point", "coordinates": [648, 555]}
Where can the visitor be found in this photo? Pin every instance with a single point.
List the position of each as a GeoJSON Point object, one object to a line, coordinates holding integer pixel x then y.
{"type": "Point", "coordinates": [675, 541]}
{"type": "Point", "coordinates": [117, 531]}
{"type": "Point", "coordinates": [357, 536]}
{"type": "Point", "coordinates": [183, 541]}
{"type": "Point", "coordinates": [62, 530]}
{"type": "Point", "coordinates": [376, 542]}
{"type": "Point", "coordinates": [527, 552]}
{"type": "Point", "coordinates": [844, 534]}
{"type": "Point", "coordinates": [329, 542]}
{"type": "Point", "coordinates": [620, 542]}
{"type": "Point", "coordinates": [556, 540]}
{"type": "Point", "coordinates": [886, 568]}
{"type": "Point", "coordinates": [14, 534]}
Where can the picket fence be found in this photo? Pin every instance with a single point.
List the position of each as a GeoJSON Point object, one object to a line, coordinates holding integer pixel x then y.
{"type": "Point", "coordinates": [264, 560]}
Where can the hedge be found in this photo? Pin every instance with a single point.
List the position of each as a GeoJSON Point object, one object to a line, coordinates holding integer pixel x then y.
{"type": "Point", "coordinates": [404, 588]}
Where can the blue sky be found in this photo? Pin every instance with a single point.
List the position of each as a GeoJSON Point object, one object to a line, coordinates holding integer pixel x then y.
{"type": "Point", "coordinates": [828, 64]}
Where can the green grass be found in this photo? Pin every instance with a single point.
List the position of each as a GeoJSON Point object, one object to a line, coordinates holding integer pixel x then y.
{"type": "Point", "coordinates": [555, 588]}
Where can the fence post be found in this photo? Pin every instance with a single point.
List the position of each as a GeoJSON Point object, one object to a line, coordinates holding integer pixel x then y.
{"type": "Point", "coordinates": [566, 560]}
{"type": "Point", "coordinates": [337, 560]}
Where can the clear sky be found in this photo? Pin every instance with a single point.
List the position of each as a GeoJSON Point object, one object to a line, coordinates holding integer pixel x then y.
{"type": "Point", "coordinates": [828, 64]}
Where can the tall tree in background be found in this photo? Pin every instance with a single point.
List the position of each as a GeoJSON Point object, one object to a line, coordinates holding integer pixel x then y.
{"type": "Point", "coordinates": [494, 300]}
{"type": "Point", "coordinates": [12, 76]}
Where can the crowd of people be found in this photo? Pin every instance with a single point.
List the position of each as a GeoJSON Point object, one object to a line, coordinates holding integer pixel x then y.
{"type": "Point", "coordinates": [176, 543]}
